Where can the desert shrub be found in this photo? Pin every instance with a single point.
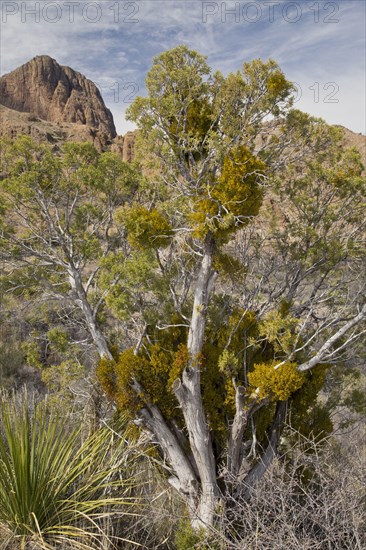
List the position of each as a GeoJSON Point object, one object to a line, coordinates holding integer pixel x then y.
{"type": "Point", "coordinates": [58, 488]}
{"type": "Point", "coordinates": [312, 498]}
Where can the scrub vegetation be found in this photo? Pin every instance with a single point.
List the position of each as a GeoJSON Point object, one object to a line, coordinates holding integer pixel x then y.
{"type": "Point", "coordinates": [211, 295]}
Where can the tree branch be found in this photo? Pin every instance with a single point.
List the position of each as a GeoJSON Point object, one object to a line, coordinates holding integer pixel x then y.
{"type": "Point", "coordinates": [325, 349]}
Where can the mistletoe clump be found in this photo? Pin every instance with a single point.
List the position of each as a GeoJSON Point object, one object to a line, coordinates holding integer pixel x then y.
{"type": "Point", "coordinates": [276, 382]}
{"type": "Point", "coordinates": [233, 199]}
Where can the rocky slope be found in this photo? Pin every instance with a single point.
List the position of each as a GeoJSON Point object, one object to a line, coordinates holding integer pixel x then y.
{"type": "Point", "coordinates": [124, 146]}
{"type": "Point", "coordinates": [57, 94]}
{"type": "Point", "coordinates": [358, 141]}
{"type": "Point", "coordinates": [14, 123]}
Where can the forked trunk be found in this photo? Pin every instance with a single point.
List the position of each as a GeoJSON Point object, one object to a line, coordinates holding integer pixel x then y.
{"type": "Point", "coordinates": [256, 473]}
{"type": "Point", "coordinates": [188, 393]}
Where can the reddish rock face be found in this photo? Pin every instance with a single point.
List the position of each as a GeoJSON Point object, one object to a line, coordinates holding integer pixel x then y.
{"type": "Point", "coordinates": [124, 146]}
{"type": "Point", "coordinates": [56, 93]}
{"type": "Point", "coordinates": [14, 123]}
{"type": "Point", "coordinates": [128, 146]}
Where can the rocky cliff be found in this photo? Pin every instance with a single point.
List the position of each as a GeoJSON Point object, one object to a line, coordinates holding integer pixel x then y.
{"type": "Point", "coordinates": [57, 94]}
{"type": "Point", "coordinates": [124, 146]}
{"type": "Point", "coordinates": [14, 123]}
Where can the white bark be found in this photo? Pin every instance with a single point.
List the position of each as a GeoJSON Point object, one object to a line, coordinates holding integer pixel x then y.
{"type": "Point", "coordinates": [237, 432]}
{"type": "Point", "coordinates": [325, 350]}
{"type": "Point", "coordinates": [190, 400]}
{"type": "Point", "coordinates": [89, 316]}
{"type": "Point", "coordinates": [186, 481]}
{"type": "Point", "coordinates": [259, 469]}
{"type": "Point", "coordinates": [240, 422]}
{"type": "Point", "coordinates": [188, 393]}
{"type": "Point", "coordinates": [197, 327]}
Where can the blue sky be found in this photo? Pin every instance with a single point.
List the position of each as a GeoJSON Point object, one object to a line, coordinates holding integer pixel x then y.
{"type": "Point", "coordinates": [320, 45]}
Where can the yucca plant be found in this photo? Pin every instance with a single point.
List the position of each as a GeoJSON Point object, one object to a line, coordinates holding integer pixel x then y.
{"type": "Point", "coordinates": [57, 490]}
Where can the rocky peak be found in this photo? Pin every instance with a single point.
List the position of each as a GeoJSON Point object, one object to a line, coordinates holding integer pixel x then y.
{"type": "Point", "coordinates": [56, 93]}
{"type": "Point", "coordinates": [125, 146]}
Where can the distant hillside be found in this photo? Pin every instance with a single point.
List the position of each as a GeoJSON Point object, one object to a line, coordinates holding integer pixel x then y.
{"type": "Point", "coordinates": [15, 123]}
{"type": "Point", "coordinates": [55, 103]}
{"type": "Point", "coordinates": [355, 140]}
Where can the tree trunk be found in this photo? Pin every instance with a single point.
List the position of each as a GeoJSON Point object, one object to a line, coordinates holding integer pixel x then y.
{"type": "Point", "coordinates": [89, 317]}
{"type": "Point", "coordinates": [240, 422]}
{"type": "Point", "coordinates": [200, 442]}
{"type": "Point", "coordinates": [188, 393]}
{"type": "Point", "coordinates": [259, 469]}
{"type": "Point", "coordinates": [237, 432]}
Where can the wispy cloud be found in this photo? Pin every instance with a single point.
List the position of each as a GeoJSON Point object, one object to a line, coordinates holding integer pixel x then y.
{"type": "Point", "coordinates": [318, 44]}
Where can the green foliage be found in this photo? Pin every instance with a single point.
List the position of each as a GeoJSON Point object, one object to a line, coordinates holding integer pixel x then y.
{"type": "Point", "coordinates": [176, 73]}
{"type": "Point", "coordinates": [180, 362]}
{"type": "Point", "coordinates": [106, 375]}
{"type": "Point", "coordinates": [54, 487]}
{"type": "Point", "coordinates": [321, 204]}
{"type": "Point", "coordinates": [187, 538]}
{"type": "Point", "coordinates": [146, 229]}
{"type": "Point", "coordinates": [126, 278]}
{"type": "Point", "coordinates": [155, 369]}
{"type": "Point", "coordinates": [33, 353]}
{"type": "Point", "coordinates": [228, 267]}
{"type": "Point", "coordinates": [233, 200]}
{"type": "Point", "coordinates": [200, 126]}
{"type": "Point", "coordinates": [160, 363]}
{"type": "Point", "coordinates": [59, 211]}
{"type": "Point", "coordinates": [58, 338]}
{"type": "Point", "coordinates": [215, 392]}
{"type": "Point", "coordinates": [130, 250]}
{"type": "Point", "coordinates": [228, 363]}
{"type": "Point", "coordinates": [58, 379]}
{"type": "Point", "coordinates": [276, 383]}
{"type": "Point", "coordinates": [279, 330]}
{"type": "Point", "coordinates": [238, 189]}
{"type": "Point", "coordinates": [307, 415]}
{"type": "Point", "coordinates": [341, 392]}
{"type": "Point", "coordinates": [246, 97]}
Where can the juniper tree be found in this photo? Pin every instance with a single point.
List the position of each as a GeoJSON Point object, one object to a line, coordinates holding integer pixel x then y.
{"type": "Point", "coordinates": [238, 261]}
{"type": "Point", "coordinates": [235, 334]}
{"type": "Point", "coordinates": [58, 225]}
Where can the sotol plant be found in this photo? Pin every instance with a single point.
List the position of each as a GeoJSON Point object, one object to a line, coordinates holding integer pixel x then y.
{"type": "Point", "coordinates": [57, 490]}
